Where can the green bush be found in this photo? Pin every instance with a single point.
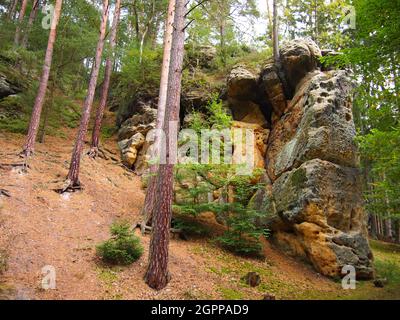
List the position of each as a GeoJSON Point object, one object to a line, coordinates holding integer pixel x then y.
{"type": "Point", "coordinates": [123, 248]}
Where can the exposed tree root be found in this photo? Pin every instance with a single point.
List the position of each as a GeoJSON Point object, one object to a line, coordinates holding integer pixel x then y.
{"type": "Point", "coordinates": [69, 187]}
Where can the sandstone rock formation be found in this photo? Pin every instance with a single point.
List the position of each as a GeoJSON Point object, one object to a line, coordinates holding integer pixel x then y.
{"type": "Point", "coordinates": [132, 137]}
{"type": "Point", "coordinates": [7, 87]}
{"type": "Point", "coordinates": [313, 201]}
{"type": "Point", "coordinates": [301, 114]}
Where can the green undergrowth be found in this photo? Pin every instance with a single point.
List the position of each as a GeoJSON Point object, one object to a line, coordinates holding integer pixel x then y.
{"type": "Point", "coordinates": [231, 268]}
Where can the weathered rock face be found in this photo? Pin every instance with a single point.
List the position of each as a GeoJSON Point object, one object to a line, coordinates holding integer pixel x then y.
{"type": "Point", "coordinates": [132, 137]}
{"type": "Point", "coordinates": [242, 92]}
{"type": "Point", "coordinates": [313, 201]}
{"type": "Point", "coordinates": [7, 88]}
{"type": "Point", "coordinates": [304, 130]}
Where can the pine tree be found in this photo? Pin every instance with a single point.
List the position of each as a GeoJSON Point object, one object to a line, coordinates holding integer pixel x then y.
{"type": "Point", "coordinates": [37, 108]}
{"type": "Point", "coordinates": [32, 17]}
{"type": "Point", "coordinates": [275, 31]}
{"type": "Point", "coordinates": [20, 22]}
{"type": "Point", "coordinates": [157, 275]}
{"type": "Point", "coordinates": [73, 174]}
{"type": "Point", "coordinates": [149, 202]}
{"type": "Point", "coordinates": [106, 83]}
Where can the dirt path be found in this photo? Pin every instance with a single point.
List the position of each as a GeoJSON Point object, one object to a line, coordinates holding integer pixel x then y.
{"type": "Point", "coordinates": [39, 228]}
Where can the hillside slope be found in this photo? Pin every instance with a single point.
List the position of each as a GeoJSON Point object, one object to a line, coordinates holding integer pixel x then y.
{"type": "Point", "coordinates": [39, 227]}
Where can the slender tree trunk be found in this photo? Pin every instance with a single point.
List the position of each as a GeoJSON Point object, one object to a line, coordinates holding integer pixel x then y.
{"type": "Point", "coordinates": [46, 113]}
{"type": "Point", "coordinates": [222, 42]}
{"type": "Point", "coordinates": [275, 31]}
{"type": "Point", "coordinates": [145, 32]}
{"type": "Point", "coordinates": [20, 22]}
{"type": "Point", "coordinates": [157, 276]}
{"type": "Point", "coordinates": [388, 229]}
{"type": "Point", "coordinates": [373, 225]}
{"type": "Point", "coordinates": [106, 84]}
{"type": "Point", "coordinates": [32, 17]}
{"type": "Point", "coordinates": [73, 174]}
{"type": "Point", "coordinates": [398, 231]}
{"type": "Point", "coordinates": [12, 9]}
{"type": "Point", "coordinates": [149, 201]}
{"type": "Point", "coordinates": [37, 108]}
{"type": "Point", "coordinates": [380, 227]}
{"type": "Point", "coordinates": [270, 22]}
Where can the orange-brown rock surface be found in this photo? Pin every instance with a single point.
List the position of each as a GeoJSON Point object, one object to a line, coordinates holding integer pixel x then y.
{"type": "Point", "coordinates": [313, 201]}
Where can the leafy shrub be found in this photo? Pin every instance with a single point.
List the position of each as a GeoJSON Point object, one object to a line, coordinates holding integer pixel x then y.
{"type": "Point", "coordinates": [123, 248]}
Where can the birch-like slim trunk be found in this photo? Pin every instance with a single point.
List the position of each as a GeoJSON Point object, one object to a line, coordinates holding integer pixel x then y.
{"type": "Point", "coordinates": [12, 9]}
{"type": "Point", "coordinates": [106, 83]}
{"type": "Point", "coordinates": [157, 275]}
{"type": "Point", "coordinates": [20, 22]}
{"type": "Point", "coordinates": [149, 201]}
{"type": "Point", "coordinates": [37, 108]}
{"type": "Point", "coordinates": [32, 17]}
{"type": "Point", "coordinates": [275, 31]}
{"type": "Point", "coordinates": [73, 174]}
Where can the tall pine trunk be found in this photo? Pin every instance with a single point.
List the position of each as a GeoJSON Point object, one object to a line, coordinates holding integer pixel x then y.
{"type": "Point", "coordinates": [37, 108]}
{"type": "Point", "coordinates": [106, 83]}
{"type": "Point", "coordinates": [46, 113]}
{"type": "Point", "coordinates": [149, 201]}
{"type": "Point", "coordinates": [157, 275]}
{"type": "Point", "coordinates": [31, 20]}
{"type": "Point", "coordinates": [20, 22]}
{"type": "Point", "coordinates": [275, 31]}
{"type": "Point", "coordinates": [73, 174]}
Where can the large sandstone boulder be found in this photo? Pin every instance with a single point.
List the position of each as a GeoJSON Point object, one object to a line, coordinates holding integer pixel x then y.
{"type": "Point", "coordinates": [313, 200]}
{"type": "Point", "coordinates": [259, 149]}
{"type": "Point", "coordinates": [321, 206]}
{"type": "Point", "coordinates": [130, 148]}
{"type": "Point", "coordinates": [298, 57]}
{"type": "Point", "coordinates": [202, 56]}
{"type": "Point", "coordinates": [271, 86]}
{"type": "Point", "coordinates": [143, 121]}
{"type": "Point", "coordinates": [318, 124]}
{"type": "Point", "coordinates": [242, 92]}
{"type": "Point", "coordinates": [132, 138]}
{"type": "Point", "coordinates": [7, 88]}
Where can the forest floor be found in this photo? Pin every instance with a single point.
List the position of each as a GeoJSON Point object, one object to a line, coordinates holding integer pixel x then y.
{"type": "Point", "coordinates": [39, 227]}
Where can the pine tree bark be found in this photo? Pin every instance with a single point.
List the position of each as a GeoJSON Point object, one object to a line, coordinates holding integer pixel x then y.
{"type": "Point", "coordinates": [157, 276]}
{"type": "Point", "coordinates": [32, 17]}
{"type": "Point", "coordinates": [46, 113]}
{"type": "Point", "coordinates": [149, 201]}
{"type": "Point", "coordinates": [37, 108]}
{"type": "Point", "coordinates": [73, 174]}
{"type": "Point", "coordinates": [20, 22]}
{"type": "Point", "coordinates": [106, 84]}
{"type": "Point", "coordinates": [275, 31]}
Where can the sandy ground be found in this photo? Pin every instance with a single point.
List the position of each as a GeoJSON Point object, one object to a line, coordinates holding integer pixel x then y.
{"type": "Point", "coordinates": [39, 227]}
